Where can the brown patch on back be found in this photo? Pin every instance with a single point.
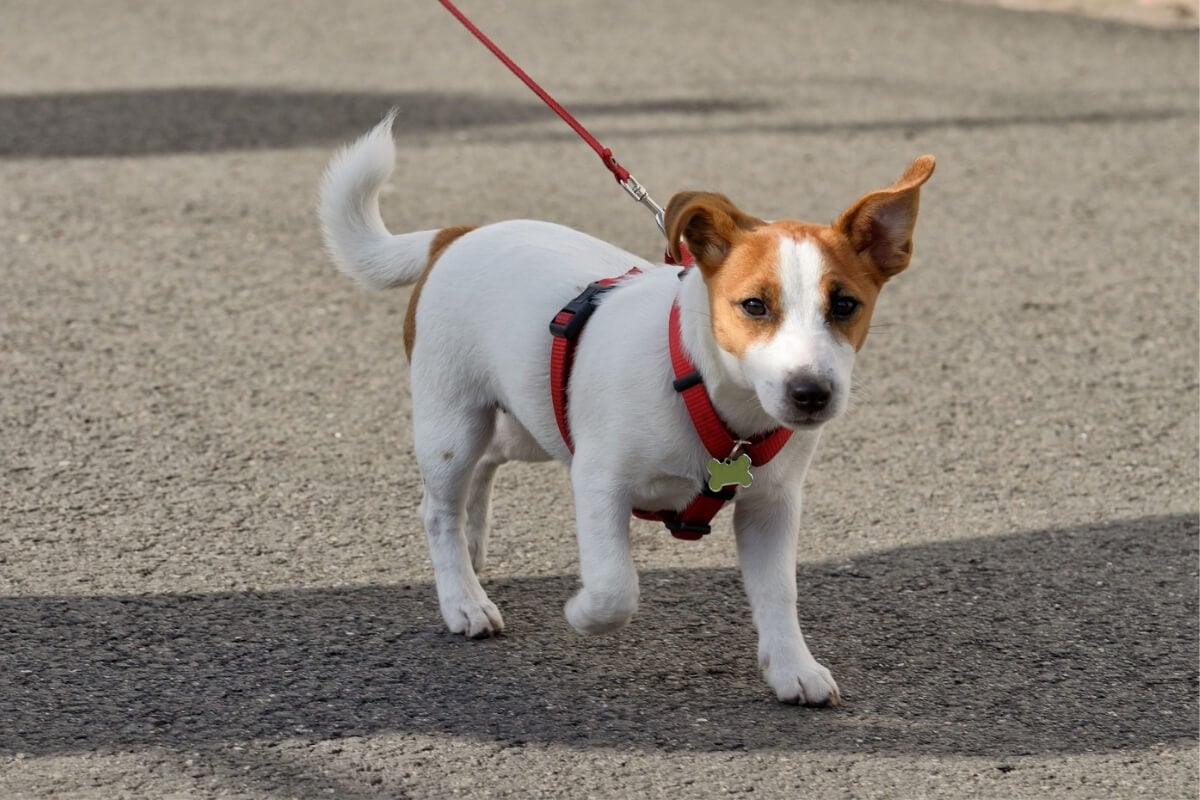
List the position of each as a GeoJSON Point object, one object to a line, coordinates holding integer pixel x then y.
{"type": "Point", "coordinates": [443, 239]}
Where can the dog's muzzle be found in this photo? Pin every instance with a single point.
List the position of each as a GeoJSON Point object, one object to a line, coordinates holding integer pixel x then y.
{"type": "Point", "coordinates": [808, 394]}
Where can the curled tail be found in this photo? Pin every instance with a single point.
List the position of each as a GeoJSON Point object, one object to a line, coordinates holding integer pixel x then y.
{"type": "Point", "coordinates": [354, 233]}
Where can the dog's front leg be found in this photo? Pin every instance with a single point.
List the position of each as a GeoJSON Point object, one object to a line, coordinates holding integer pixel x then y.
{"type": "Point", "coordinates": [767, 530]}
{"type": "Point", "coordinates": [609, 596]}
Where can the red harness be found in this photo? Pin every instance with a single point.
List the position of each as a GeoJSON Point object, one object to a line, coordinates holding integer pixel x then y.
{"type": "Point", "coordinates": [694, 520]}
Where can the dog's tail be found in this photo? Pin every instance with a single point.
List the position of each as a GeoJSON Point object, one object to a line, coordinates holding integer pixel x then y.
{"type": "Point", "coordinates": [354, 233]}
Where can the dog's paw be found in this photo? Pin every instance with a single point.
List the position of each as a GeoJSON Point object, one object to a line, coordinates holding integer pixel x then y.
{"type": "Point", "coordinates": [805, 684]}
{"type": "Point", "coordinates": [592, 615]}
{"type": "Point", "coordinates": [474, 618]}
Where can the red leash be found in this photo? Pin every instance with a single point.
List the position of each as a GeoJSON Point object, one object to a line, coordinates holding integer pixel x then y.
{"type": "Point", "coordinates": [627, 181]}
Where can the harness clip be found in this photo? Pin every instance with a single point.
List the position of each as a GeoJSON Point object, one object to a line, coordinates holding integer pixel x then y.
{"type": "Point", "coordinates": [681, 529]}
{"type": "Point", "coordinates": [579, 309]}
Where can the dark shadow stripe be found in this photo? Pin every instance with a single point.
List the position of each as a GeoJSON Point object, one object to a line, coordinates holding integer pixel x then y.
{"type": "Point", "coordinates": [161, 121]}
{"type": "Point", "coordinates": [1071, 640]}
{"type": "Point", "coordinates": [910, 126]}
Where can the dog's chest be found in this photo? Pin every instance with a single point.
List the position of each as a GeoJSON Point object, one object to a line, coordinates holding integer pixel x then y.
{"type": "Point", "coordinates": [666, 492]}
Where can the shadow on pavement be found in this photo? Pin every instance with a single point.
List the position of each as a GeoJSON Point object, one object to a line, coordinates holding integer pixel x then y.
{"type": "Point", "coordinates": [199, 120]}
{"type": "Point", "coordinates": [152, 122]}
{"type": "Point", "coordinates": [1058, 641]}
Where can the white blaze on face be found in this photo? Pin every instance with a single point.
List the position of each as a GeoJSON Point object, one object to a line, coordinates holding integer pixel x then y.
{"type": "Point", "coordinates": [803, 343]}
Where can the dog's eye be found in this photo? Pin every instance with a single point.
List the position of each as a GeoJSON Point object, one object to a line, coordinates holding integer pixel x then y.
{"type": "Point", "coordinates": [843, 306]}
{"type": "Point", "coordinates": [754, 307]}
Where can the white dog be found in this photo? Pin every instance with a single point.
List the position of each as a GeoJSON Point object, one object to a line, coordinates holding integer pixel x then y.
{"type": "Point", "coordinates": [770, 319]}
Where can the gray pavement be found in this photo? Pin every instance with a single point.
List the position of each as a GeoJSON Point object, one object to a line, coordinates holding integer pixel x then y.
{"type": "Point", "coordinates": [212, 580]}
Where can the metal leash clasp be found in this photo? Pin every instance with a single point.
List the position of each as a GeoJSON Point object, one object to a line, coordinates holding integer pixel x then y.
{"type": "Point", "coordinates": [639, 193]}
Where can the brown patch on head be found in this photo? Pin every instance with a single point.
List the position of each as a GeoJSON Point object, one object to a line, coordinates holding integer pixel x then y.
{"type": "Point", "coordinates": [739, 256]}
{"type": "Point", "coordinates": [443, 239]}
{"type": "Point", "coordinates": [736, 260]}
{"type": "Point", "coordinates": [754, 270]}
{"type": "Point", "coordinates": [709, 223]}
{"type": "Point", "coordinates": [846, 276]}
{"type": "Point", "coordinates": [750, 272]}
{"type": "Point", "coordinates": [871, 242]}
{"type": "Point", "coordinates": [880, 225]}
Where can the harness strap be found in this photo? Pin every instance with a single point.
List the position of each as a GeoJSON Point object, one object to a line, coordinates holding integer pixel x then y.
{"type": "Point", "coordinates": [692, 522]}
{"type": "Point", "coordinates": [712, 430]}
{"type": "Point", "coordinates": [565, 328]}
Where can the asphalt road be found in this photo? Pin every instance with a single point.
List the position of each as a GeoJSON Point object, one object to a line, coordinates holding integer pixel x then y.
{"type": "Point", "coordinates": [212, 579]}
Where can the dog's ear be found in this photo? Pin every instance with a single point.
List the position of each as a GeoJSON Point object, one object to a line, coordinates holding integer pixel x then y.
{"type": "Point", "coordinates": [880, 225]}
{"type": "Point", "coordinates": [708, 223]}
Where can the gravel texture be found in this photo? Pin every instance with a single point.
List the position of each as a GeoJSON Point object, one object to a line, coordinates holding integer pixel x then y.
{"type": "Point", "coordinates": [213, 583]}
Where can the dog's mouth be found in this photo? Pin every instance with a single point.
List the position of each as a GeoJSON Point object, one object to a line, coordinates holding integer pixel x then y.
{"type": "Point", "coordinates": [799, 420]}
{"type": "Point", "coordinates": [807, 421]}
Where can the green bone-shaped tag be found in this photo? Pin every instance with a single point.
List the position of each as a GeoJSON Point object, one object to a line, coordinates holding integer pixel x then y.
{"type": "Point", "coordinates": [729, 473]}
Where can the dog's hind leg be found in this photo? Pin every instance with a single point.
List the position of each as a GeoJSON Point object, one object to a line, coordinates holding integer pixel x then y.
{"type": "Point", "coordinates": [479, 506]}
{"type": "Point", "coordinates": [510, 442]}
{"type": "Point", "coordinates": [450, 437]}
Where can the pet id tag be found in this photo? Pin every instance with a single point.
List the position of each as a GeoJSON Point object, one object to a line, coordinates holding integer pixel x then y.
{"type": "Point", "coordinates": [730, 472]}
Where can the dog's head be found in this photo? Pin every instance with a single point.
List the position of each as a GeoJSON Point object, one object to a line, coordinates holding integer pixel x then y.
{"type": "Point", "coordinates": [791, 302]}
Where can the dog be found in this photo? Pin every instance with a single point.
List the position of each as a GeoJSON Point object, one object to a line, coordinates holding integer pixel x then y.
{"type": "Point", "coordinates": [772, 315]}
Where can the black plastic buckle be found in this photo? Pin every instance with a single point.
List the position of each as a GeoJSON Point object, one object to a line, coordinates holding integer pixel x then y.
{"type": "Point", "coordinates": [676, 525]}
{"type": "Point", "coordinates": [580, 309]}
{"type": "Point", "coordinates": [686, 382]}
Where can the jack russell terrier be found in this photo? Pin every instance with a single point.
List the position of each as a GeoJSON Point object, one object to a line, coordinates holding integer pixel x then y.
{"type": "Point", "coordinates": [768, 322]}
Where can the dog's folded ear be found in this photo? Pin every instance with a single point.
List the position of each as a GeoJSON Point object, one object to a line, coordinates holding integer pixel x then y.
{"type": "Point", "coordinates": [709, 223]}
{"type": "Point", "coordinates": [880, 225]}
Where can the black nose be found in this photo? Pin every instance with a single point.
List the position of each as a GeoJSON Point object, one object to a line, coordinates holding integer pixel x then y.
{"type": "Point", "coordinates": [809, 394]}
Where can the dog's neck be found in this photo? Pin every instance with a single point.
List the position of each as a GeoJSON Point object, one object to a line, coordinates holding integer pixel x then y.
{"type": "Point", "coordinates": [732, 395]}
